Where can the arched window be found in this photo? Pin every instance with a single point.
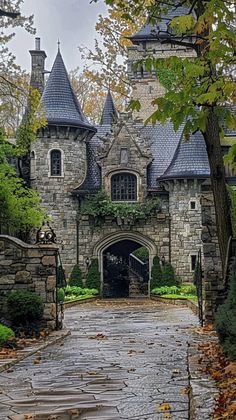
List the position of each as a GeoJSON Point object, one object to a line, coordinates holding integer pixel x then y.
{"type": "Point", "coordinates": [124, 187]}
{"type": "Point", "coordinates": [56, 169]}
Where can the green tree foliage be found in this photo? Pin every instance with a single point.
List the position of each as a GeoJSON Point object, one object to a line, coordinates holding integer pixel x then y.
{"type": "Point", "coordinates": [142, 253]}
{"type": "Point", "coordinates": [20, 208]}
{"type": "Point", "coordinates": [93, 280]}
{"type": "Point", "coordinates": [14, 81]}
{"type": "Point", "coordinates": [225, 322]}
{"type": "Point", "coordinates": [197, 89]}
{"type": "Point", "coordinates": [156, 274]}
{"type": "Point", "coordinates": [24, 307]}
{"type": "Point", "coordinates": [75, 278]}
{"type": "Point", "coordinates": [168, 275]}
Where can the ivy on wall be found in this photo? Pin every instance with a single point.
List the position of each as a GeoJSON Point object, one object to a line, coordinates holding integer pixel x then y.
{"type": "Point", "coordinates": [100, 205]}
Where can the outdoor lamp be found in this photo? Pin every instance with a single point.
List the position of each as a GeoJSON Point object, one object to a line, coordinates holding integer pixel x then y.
{"type": "Point", "coordinates": [87, 261]}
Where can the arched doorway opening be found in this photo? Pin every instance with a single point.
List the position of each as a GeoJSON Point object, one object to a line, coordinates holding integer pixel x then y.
{"type": "Point", "coordinates": [124, 271]}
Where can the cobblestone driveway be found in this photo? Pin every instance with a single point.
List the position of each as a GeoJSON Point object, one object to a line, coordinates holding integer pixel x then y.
{"type": "Point", "coordinates": [122, 361]}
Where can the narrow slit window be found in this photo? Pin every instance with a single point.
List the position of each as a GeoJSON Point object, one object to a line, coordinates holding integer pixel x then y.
{"type": "Point", "coordinates": [193, 262]}
{"type": "Point", "coordinates": [56, 163]}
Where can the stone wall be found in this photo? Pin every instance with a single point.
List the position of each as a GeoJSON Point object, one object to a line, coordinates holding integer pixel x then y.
{"type": "Point", "coordinates": [185, 224]}
{"type": "Point", "coordinates": [55, 191]}
{"type": "Point", "coordinates": [31, 268]}
{"type": "Point", "coordinates": [211, 255]}
{"type": "Point", "coordinates": [154, 230]}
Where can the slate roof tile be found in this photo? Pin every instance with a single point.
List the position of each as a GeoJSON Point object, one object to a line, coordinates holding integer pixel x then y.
{"type": "Point", "coordinates": [190, 160]}
{"type": "Point", "coordinates": [59, 100]}
{"type": "Point", "coordinates": [109, 113]}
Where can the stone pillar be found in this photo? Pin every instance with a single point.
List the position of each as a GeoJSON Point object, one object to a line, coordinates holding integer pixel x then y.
{"type": "Point", "coordinates": [31, 268]}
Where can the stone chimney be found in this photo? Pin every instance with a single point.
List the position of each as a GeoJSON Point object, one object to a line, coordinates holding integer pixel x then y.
{"type": "Point", "coordinates": [37, 66]}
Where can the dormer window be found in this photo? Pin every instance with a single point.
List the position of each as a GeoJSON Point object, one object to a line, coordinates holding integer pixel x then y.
{"type": "Point", "coordinates": [124, 187]}
{"type": "Point", "coordinates": [56, 165]}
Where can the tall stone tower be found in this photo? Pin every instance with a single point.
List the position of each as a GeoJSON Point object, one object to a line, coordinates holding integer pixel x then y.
{"type": "Point", "coordinates": [58, 157]}
{"type": "Point", "coordinates": [153, 41]}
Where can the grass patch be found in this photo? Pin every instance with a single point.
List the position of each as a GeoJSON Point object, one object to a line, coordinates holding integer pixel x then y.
{"type": "Point", "coordinates": [73, 298]}
{"type": "Point", "coordinates": [183, 297]}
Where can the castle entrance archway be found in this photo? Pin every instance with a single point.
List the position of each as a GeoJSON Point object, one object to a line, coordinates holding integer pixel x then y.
{"type": "Point", "coordinates": [124, 271]}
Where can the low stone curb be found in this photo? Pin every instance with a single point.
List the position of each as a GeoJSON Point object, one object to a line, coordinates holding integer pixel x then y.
{"type": "Point", "coordinates": [203, 390]}
{"type": "Point", "coordinates": [54, 337]}
{"type": "Point", "coordinates": [68, 305]}
{"type": "Point", "coordinates": [179, 302]}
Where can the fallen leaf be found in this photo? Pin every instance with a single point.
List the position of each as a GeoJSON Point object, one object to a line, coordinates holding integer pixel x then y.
{"type": "Point", "coordinates": [163, 407]}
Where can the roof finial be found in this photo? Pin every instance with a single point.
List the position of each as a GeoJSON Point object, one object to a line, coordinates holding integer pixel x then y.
{"type": "Point", "coordinates": [58, 43]}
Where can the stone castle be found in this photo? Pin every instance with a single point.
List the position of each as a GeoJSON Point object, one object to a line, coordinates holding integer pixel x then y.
{"type": "Point", "coordinates": [73, 159]}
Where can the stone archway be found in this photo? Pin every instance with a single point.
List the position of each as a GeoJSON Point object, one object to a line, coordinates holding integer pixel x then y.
{"type": "Point", "coordinates": [112, 239]}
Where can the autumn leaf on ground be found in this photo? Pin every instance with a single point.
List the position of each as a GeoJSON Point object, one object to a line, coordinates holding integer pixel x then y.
{"type": "Point", "coordinates": [185, 391]}
{"type": "Point", "coordinates": [163, 407]}
{"type": "Point", "coordinates": [92, 373]}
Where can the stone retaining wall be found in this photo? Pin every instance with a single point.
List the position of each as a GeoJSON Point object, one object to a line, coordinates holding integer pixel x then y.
{"type": "Point", "coordinates": [31, 268]}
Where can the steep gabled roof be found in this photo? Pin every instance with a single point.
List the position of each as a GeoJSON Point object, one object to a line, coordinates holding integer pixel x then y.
{"type": "Point", "coordinates": [161, 30]}
{"type": "Point", "coordinates": [190, 160]}
{"type": "Point", "coordinates": [109, 113]}
{"type": "Point", "coordinates": [59, 100]}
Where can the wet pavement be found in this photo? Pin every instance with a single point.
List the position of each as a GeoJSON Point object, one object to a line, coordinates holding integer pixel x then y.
{"type": "Point", "coordinates": [124, 360]}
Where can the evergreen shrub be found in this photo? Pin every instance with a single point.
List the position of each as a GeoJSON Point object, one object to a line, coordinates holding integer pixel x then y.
{"type": "Point", "coordinates": [93, 280]}
{"type": "Point", "coordinates": [75, 278]}
{"type": "Point", "coordinates": [5, 334]}
{"type": "Point", "coordinates": [156, 274]}
{"type": "Point", "coordinates": [225, 321]}
{"type": "Point", "coordinates": [60, 295]}
{"type": "Point", "coordinates": [168, 275]}
{"type": "Point", "coordinates": [24, 307]}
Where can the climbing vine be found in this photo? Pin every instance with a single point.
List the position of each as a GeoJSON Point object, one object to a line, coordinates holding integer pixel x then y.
{"type": "Point", "coordinates": [100, 205]}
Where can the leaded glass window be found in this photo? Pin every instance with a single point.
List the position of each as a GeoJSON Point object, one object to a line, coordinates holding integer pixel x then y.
{"type": "Point", "coordinates": [124, 187]}
{"type": "Point", "coordinates": [55, 163]}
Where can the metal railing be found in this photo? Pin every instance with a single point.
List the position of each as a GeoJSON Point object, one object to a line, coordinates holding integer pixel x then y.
{"type": "Point", "coordinates": [138, 267]}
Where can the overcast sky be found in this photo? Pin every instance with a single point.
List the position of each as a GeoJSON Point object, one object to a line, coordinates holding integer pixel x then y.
{"type": "Point", "coordinates": [72, 21]}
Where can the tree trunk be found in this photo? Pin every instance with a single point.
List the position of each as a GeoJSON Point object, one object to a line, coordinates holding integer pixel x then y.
{"type": "Point", "coordinates": [218, 182]}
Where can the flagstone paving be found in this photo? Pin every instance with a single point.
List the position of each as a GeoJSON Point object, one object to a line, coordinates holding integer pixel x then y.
{"type": "Point", "coordinates": [123, 360]}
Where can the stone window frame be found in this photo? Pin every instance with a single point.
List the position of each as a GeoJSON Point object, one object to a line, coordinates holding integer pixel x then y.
{"type": "Point", "coordinates": [49, 162]}
{"type": "Point", "coordinates": [127, 171]}
{"type": "Point", "coordinates": [193, 200]}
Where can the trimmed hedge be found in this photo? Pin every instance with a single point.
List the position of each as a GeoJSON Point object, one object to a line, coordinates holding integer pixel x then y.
{"type": "Point", "coordinates": [24, 307]}
{"type": "Point", "coordinates": [93, 280]}
{"type": "Point", "coordinates": [5, 334]}
{"type": "Point", "coordinates": [156, 274]}
{"type": "Point", "coordinates": [75, 278]}
{"type": "Point", "coordinates": [225, 321]}
{"type": "Point", "coordinates": [168, 276]}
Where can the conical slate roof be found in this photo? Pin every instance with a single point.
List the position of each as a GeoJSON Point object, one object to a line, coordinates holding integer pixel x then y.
{"type": "Point", "coordinates": [161, 30]}
{"type": "Point", "coordinates": [190, 160]}
{"type": "Point", "coordinates": [59, 101]}
{"type": "Point", "coordinates": [109, 113]}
